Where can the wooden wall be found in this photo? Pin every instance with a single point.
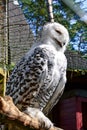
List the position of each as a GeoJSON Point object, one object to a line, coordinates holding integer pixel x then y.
{"type": "Point", "coordinates": [71, 113]}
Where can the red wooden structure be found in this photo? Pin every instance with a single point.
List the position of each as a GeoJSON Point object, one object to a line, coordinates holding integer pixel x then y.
{"type": "Point", "coordinates": [71, 111]}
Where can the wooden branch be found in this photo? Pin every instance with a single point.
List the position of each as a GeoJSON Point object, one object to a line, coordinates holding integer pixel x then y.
{"type": "Point", "coordinates": [14, 115]}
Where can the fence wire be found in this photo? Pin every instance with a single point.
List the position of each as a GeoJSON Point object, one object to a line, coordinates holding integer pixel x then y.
{"type": "Point", "coordinates": [16, 36]}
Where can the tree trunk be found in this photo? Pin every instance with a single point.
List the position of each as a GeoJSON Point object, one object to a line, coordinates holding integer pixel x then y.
{"type": "Point", "coordinates": [50, 10]}
{"type": "Point", "coordinates": [18, 120]}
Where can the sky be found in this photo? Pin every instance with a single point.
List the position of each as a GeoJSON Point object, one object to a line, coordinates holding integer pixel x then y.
{"type": "Point", "coordinates": [82, 6]}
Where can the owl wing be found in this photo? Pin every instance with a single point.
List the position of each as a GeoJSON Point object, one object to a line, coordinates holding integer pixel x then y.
{"type": "Point", "coordinates": [28, 77]}
{"type": "Point", "coordinates": [56, 95]}
{"type": "Point", "coordinates": [35, 79]}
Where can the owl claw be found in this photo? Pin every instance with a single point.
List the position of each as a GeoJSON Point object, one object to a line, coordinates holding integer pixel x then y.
{"type": "Point", "coordinates": [46, 123]}
{"type": "Point", "coordinates": [36, 113]}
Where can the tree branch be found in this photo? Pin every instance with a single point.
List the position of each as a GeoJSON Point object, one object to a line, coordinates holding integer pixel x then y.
{"type": "Point", "coordinates": [13, 115]}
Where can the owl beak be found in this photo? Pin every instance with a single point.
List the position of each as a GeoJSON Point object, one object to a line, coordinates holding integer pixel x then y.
{"type": "Point", "coordinates": [58, 42]}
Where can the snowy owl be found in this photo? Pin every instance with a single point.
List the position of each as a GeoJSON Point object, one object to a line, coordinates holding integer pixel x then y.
{"type": "Point", "coordinates": [38, 80]}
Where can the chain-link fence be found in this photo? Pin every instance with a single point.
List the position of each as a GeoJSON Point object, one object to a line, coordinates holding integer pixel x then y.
{"type": "Point", "coordinates": [16, 36]}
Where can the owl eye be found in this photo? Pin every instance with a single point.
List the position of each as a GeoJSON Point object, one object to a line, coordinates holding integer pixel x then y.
{"type": "Point", "coordinates": [58, 31]}
{"type": "Point", "coordinates": [64, 43]}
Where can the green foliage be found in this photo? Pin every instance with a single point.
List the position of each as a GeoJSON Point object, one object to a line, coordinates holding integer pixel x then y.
{"type": "Point", "coordinates": [38, 15]}
{"type": "Point", "coordinates": [36, 12]}
{"type": "Point", "coordinates": [10, 67]}
{"type": "Point", "coordinates": [69, 47]}
{"type": "Point", "coordinates": [35, 7]}
{"type": "Point", "coordinates": [85, 56]}
{"type": "Point", "coordinates": [3, 76]}
{"type": "Point", "coordinates": [6, 66]}
{"type": "Point", "coordinates": [64, 15]}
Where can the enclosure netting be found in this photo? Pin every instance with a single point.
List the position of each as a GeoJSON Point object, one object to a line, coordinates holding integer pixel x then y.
{"type": "Point", "coordinates": [16, 36]}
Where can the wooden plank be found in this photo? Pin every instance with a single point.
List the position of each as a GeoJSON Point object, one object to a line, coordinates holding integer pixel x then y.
{"type": "Point", "coordinates": [67, 113]}
{"type": "Point", "coordinates": [2, 72]}
{"type": "Point", "coordinates": [3, 85]}
{"type": "Point", "coordinates": [67, 100]}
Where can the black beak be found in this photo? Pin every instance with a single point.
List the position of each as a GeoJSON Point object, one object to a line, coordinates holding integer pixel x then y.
{"type": "Point", "coordinates": [58, 42]}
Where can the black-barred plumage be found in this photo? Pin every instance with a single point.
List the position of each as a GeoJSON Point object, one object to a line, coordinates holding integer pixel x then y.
{"type": "Point", "coordinates": [38, 80]}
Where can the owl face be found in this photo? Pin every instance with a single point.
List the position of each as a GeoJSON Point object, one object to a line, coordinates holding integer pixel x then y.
{"type": "Point", "coordinates": [57, 33]}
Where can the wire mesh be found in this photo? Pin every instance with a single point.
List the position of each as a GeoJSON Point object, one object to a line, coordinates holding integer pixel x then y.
{"type": "Point", "coordinates": [15, 34]}
{"type": "Point", "coordinates": [20, 35]}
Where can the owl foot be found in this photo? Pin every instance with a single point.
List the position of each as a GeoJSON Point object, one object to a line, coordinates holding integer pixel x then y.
{"type": "Point", "coordinates": [36, 113]}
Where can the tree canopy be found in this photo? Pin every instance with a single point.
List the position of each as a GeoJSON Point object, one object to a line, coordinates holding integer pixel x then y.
{"type": "Point", "coordinates": [36, 13]}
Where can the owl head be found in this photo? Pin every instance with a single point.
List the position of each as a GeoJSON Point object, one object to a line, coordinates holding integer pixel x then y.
{"type": "Point", "coordinates": [56, 34]}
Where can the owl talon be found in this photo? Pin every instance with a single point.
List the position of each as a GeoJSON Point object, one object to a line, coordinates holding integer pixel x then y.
{"type": "Point", "coordinates": [46, 123]}
{"type": "Point", "coordinates": [36, 113]}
